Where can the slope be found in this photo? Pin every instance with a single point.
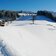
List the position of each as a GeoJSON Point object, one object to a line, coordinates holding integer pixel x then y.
{"type": "Point", "coordinates": [37, 39]}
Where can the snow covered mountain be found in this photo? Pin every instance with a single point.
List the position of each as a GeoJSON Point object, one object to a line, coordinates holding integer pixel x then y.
{"type": "Point", "coordinates": [22, 38]}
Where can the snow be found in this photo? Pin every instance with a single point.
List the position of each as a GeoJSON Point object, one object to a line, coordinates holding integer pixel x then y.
{"type": "Point", "coordinates": [25, 39]}
{"type": "Point", "coordinates": [27, 18]}
{"type": "Point", "coordinates": [24, 18]}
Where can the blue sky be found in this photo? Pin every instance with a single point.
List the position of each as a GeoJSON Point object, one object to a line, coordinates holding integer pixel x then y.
{"type": "Point", "coordinates": [28, 5]}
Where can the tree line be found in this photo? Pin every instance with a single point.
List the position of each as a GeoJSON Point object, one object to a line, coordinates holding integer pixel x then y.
{"type": "Point", "coordinates": [47, 14]}
{"type": "Point", "coordinates": [12, 15]}
{"type": "Point", "coordinates": [8, 15]}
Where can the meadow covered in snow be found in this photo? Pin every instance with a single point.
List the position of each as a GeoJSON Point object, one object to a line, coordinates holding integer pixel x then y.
{"type": "Point", "coordinates": [22, 38]}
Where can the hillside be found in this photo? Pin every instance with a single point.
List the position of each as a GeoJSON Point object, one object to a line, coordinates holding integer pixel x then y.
{"type": "Point", "coordinates": [21, 38]}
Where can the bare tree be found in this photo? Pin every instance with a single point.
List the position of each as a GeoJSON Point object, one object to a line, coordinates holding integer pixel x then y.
{"type": "Point", "coordinates": [33, 18]}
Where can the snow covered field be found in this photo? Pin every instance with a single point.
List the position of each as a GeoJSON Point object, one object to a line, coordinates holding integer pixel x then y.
{"type": "Point", "coordinates": [22, 38]}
